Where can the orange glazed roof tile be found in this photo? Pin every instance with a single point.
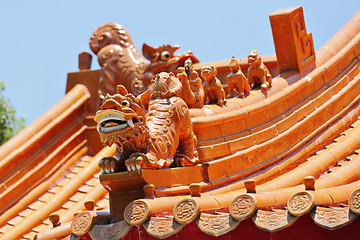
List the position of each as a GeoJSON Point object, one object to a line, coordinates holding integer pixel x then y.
{"type": "Point", "coordinates": [280, 159]}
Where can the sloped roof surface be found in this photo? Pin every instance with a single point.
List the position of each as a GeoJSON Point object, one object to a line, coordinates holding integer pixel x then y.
{"type": "Point", "coordinates": [307, 125]}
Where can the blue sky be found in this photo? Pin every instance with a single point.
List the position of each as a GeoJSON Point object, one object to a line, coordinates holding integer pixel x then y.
{"type": "Point", "coordinates": [41, 40]}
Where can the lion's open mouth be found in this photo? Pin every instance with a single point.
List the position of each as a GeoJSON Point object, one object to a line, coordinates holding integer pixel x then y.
{"type": "Point", "coordinates": [111, 123]}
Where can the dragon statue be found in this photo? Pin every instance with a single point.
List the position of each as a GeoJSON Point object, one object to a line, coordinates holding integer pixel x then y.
{"type": "Point", "coordinates": [155, 138]}
{"type": "Point", "coordinates": [121, 63]}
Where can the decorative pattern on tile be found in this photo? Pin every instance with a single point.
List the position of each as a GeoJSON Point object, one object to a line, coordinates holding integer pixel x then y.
{"type": "Point", "coordinates": [216, 224]}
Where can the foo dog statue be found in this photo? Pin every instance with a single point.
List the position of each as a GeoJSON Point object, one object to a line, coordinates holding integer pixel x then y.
{"type": "Point", "coordinates": [152, 140]}
{"type": "Point", "coordinates": [237, 82]}
{"type": "Point", "coordinates": [214, 92]}
{"type": "Point", "coordinates": [192, 90]}
{"type": "Point", "coordinates": [258, 74]}
{"type": "Point", "coordinates": [121, 63]}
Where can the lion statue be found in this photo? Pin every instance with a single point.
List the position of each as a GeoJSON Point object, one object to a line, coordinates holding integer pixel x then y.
{"type": "Point", "coordinates": [214, 92]}
{"type": "Point", "coordinates": [258, 73]}
{"type": "Point", "coordinates": [155, 139]}
{"type": "Point", "coordinates": [237, 82]}
{"type": "Point", "coordinates": [121, 63]}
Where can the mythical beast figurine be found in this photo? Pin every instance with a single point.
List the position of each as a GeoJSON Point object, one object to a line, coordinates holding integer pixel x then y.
{"type": "Point", "coordinates": [192, 90]}
{"type": "Point", "coordinates": [237, 82]}
{"type": "Point", "coordinates": [151, 140]}
{"type": "Point", "coordinates": [258, 73]}
{"type": "Point", "coordinates": [214, 92]}
{"type": "Point", "coordinates": [121, 63]}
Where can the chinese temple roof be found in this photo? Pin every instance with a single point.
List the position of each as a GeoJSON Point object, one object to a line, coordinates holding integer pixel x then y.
{"type": "Point", "coordinates": [284, 160]}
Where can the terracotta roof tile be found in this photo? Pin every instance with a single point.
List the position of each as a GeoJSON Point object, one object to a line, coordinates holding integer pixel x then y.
{"type": "Point", "coordinates": [54, 189]}
{"type": "Point", "coordinates": [46, 197]}
{"type": "Point", "coordinates": [92, 182]}
{"type": "Point", "coordinates": [76, 170]}
{"type": "Point", "coordinates": [41, 228]}
{"type": "Point", "coordinates": [6, 228]}
{"type": "Point", "coordinates": [25, 213]}
{"type": "Point", "coordinates": [15, 221]}
{"type": "Point", "coordinates": [307, 125]}
{"type": "Point", "coordinates": [36, 205]}
{"type": "Point", "coordinates": [70, 175]}
{"type": "Point", "coordinates": [83, 163]}
{"type": "Point", "coordinates": [68, 205]}
{"type": "Point", "coordinates": [29, 236]}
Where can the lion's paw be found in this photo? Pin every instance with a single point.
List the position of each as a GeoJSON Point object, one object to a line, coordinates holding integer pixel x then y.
{"type": "Point", "coordinates": [182, 160]}
{"type": "Point", "coordinates": [138, 161]}
{"type": "Point", "coordinates": [108, 165]}
{"type": "Point", "coordinates": [135, 161]}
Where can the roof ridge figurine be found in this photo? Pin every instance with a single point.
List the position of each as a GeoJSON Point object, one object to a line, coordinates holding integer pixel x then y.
{"type": "Point", "coordinates": [214, 92]}
{"type": "Point", "coordinates": [151, 140]}
{"type": "Point", "coordinates": [259, 168]}
{"type": "Point", "coordinates": [258, 73]}
{"type": "Point", "coordinates": [192, 90]}
{"type": "Point", "coordinates": [237, 82]}
{"type": "Point", "coordinates": [121, 63]}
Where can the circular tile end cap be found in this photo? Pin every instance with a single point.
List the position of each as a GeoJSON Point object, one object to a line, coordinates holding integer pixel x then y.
{"type": "Point", "coordinates": [242, 207]}
{"type": "Point", "coordinates": [300, 203]}
{"type": "Point", "coordinates": [354, 202]}
{"type": "Point", "coordinates": [82, 223]}
{"type": "Point", "coordinates": [186, 211]}
{"type": "Point", "coordinates": [136, 213]}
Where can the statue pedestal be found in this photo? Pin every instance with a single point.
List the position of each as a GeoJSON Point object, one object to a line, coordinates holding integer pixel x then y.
{"type": "Point", "coordinates": [125, 187]}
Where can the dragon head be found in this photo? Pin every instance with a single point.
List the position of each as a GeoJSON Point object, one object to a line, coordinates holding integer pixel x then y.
{"type": "Point", "coordinates": [121, 121]}
{"type": "Point", "coordinates": [163, 59]}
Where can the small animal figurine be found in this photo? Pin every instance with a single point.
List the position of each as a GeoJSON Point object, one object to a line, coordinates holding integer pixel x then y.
{"type": "Point", "coordinates": [258, 74]}
{"type": "Point", "coordinates": [192, 90]}
{"type": "Point", "coordinates": [214, 92]}
{"type": "Point", "coordinates": [237, 82]}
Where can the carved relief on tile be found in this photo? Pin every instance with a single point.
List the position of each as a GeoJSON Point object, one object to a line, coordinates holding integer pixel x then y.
{"type": "Point", "coordinates": [300, 203]}
{"type": "Point", "coordinates": [82, 223]}
{"type": "Point", "coordinates": [242, 207]}
{"type": "Point", "coordinates": [354, 202]}
{"type": "Point", "coordinates": [273, 220]}
{"type": "Point", "coordinates": [216, 224]}
{"type": "Point", "coordinates": [136, 212]}
{"type": "Point", "coordinates": [331, 218]}
{"type": "Point", "coordinates": [186, 211]}
{"type": "Point", "coordinates": [110, 231]}
{"type": "Point", "coordinates": [162, 227]}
